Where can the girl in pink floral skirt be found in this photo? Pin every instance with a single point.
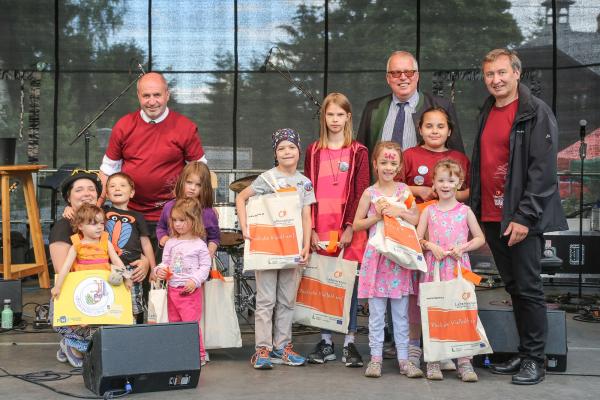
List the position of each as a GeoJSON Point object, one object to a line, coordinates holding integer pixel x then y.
{"type": "Point", "coordinates": [381, 279]}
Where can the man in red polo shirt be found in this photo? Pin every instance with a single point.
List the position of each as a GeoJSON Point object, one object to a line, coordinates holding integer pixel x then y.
{"type": "Point", "coordinates": [152, 145]}
{"type": "Point", "coordinates": [514, 192]}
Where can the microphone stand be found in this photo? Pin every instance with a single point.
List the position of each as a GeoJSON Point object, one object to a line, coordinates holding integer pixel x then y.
{"type": "Point", "coordinates": [582, 155]}
{"type": "Point", "coordinates": [85, 130]}
{"type": "Point", "coordinates": [297, 85]}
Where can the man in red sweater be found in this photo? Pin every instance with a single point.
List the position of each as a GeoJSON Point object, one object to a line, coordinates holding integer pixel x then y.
{"type": "Point", "coordinates": [152, 145]}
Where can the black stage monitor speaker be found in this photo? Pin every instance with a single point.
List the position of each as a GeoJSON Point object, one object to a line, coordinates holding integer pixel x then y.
{"type": "Point", "coordinates": [501, 331]}
{"type": "Point", "coordinates": [11, 289]}
{"type": "Point", "coordinates": [150, 357]}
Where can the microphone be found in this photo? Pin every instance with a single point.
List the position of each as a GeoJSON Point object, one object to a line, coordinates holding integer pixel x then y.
{"type": "Point", "coordinates": [264, 66]}
{"type": "Point", "coordinates": [582, 125]}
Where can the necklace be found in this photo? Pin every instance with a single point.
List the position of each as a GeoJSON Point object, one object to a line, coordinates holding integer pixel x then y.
{"type": "Point", "coordinates": [342, 166]}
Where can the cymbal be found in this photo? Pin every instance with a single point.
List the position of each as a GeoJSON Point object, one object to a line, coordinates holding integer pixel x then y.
{"type": "Point", "coordinates": [240, 184]}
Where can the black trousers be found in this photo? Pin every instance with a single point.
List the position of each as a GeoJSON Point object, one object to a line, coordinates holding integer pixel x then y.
{"type": "Point", "coordinates": [520, 269]}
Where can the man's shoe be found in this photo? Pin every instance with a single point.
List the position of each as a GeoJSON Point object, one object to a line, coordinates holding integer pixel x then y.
{"type": "Point", "coordinates": [287, 356]}
{"type": "Point", "coordinates": [509, 367]}
{"type": "Point", "coordinates": [323, 352]}
{"type": "Point", "coordinates": [351, 357]}
{"type": "Point", "coordinates": [530, 373]}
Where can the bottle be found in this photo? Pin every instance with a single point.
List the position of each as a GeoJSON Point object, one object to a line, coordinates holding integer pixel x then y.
{"type": "Point", "coordinates": [7, 315]}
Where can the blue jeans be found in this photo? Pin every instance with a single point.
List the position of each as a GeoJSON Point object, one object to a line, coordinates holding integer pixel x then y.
{"type": "Point", "coordinates": [353, 323]}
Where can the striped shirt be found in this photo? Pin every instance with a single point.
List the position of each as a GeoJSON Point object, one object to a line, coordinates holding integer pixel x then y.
{"type": "Point", "coordinates": [410, 137]}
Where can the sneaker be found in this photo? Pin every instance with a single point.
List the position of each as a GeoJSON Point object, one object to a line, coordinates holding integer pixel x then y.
{"type": "Point", "coordinates": [206, 356]}
{"type": "Point", "coordinates": [323, 353]}
{"type": "Point", "coordinates": [373, 369]}
{"type": "Point", "coordinates": [389, 350]}
{"type": "Point", "coordinates": [447, 365]}
{"type": "Point", "coordinates": [434, 371]}
{"type": "Point", "coordinates": [202, 362]}
{"type": "Point", "coordinates": [466, 373]}
{"type": "Point", "coordinates": [287, 356]}
{"type": "Point", "coordinates": [409, 369]}
{"type": "Point", "coordinates": [414, 355]}
{"type": "Point", "coordinates": [351, 357]}
{"type": "Point", "coordinates": [61, 356]}
{"type": "Point", "coordinates": [75, 360]}
{"type": "Point", "coordinates": [261, 359]}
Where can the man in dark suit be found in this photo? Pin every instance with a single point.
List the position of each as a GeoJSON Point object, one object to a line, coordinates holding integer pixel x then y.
{"type": "Point", "coordinates": [395, 116]}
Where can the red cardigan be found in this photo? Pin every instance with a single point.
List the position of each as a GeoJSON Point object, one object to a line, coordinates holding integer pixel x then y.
{"type": "Point", "coordinates": [359, 177]}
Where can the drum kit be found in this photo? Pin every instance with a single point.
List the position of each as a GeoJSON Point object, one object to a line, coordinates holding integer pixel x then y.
{"type": "Point", "coordinates": [232, 244]}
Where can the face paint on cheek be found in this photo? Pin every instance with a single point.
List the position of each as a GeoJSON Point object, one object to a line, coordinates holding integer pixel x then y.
{"type": "Point", "coordinates": [390, 155]}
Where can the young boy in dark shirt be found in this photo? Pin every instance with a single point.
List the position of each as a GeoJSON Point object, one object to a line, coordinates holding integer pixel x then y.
{"type": "Point", "coordinates": [129, 235]}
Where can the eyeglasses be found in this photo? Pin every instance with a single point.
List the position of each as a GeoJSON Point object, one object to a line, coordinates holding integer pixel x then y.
{"type": "Point", "coordinates": [397, 74]}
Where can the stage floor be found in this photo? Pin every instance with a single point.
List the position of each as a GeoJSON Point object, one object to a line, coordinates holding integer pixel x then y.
{"type": "Point", "coordinates": [230, 376]}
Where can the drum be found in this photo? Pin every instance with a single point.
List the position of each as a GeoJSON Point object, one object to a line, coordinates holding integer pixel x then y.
{"type": "Point", "coordinates": [231, 235]}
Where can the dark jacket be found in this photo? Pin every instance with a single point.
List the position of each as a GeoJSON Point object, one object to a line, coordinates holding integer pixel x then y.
{"type": "Point", "coordinates": [531, 195]}
{"type": "Point", "coordinates": [358, 178]}
{"type": "Point", "coordinates": [375, 113]}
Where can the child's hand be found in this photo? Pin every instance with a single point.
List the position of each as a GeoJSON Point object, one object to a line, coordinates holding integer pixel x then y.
{"type": "Point", "coordinates": [437, 251]}
{"type": "Point", "coordinates": [68, 212]}
{"type": "Point", "coordinates": [161, 273]}
{"type": "Point", "coordinates": [314, 240]}
{"type": "Point", "coordinates": [393, 211]}
{"type": "Point", "coordinates": [304, 255]}
{"type": "Point", "coordinates": [426, 193]}
{"type": "Point", "coordinates": [189, 287]}
{"type": "Point", "coordinates": [346, 238]}
{"type": "Point", "coordinates": [128, 284]}
{"type": "Point", "coordinates": [55, 292]}
{"type": "Point", "coordinates": [381, 205]}
{"type": "Point", "coordinates": [163, 240]}
{"type": "Point", "coordinates": [457, 252]}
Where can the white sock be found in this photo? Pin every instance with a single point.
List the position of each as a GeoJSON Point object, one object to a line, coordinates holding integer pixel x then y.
{"type": "Point", "coordinates": [348, 339]}
{"type": "Point", "coordinates": [326, 337]}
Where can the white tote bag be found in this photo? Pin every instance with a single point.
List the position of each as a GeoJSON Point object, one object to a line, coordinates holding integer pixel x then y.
{"type": "Point", "coordinates": [451, 325]}
{"type": "Point", "coordinates": [275, 225]}
{"type": "Point", "coordinates": [397, 241]}
{"type": "Point", "coordinates": [157, 303]}
{"type": "Point", "coordinates": [220, 327]}
{"type": "Point", "coordinates": [325, 292]}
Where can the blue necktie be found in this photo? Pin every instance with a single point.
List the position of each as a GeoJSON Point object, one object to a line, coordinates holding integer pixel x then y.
{"type": "Point", "coordinates": [398, 131]}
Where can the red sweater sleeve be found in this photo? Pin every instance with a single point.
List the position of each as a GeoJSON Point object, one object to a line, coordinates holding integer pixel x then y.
{"type": "Point", "coordinates": [360, 184]}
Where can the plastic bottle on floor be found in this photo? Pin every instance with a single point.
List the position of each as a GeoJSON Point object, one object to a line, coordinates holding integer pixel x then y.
{"type": "Point", "coordinates": [7, 315]}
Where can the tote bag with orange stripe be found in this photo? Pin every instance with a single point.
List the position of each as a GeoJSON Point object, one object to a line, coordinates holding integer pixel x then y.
{"type": "Point", "coordinates": [325, 293]}
{"type": "Point", "coordinates": [275, 225]}
{"type": "Point", "coordinates": [451, 325]}
{"type": "Point", "coordinates": [397, 240]}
